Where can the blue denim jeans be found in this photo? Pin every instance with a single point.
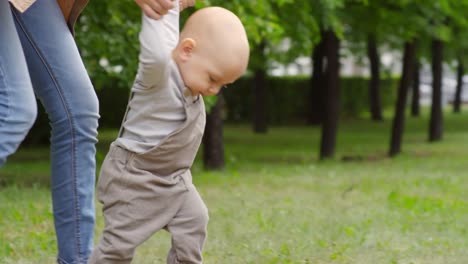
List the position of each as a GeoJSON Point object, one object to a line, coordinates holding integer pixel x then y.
{"type": "Point", "coordinates": [38, 55]}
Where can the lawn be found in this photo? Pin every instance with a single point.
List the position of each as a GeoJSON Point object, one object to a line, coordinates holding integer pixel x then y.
{"type": "Point", "coordinates": [277, 203]}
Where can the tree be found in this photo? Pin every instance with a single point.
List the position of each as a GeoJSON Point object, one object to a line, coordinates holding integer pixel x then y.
{"type": "Point", "coordinates": [399, 117]}
{"type": "Point", "coordinates": [332, 95]}
{"type": "Point", "coordinates": [415, 106]}
{"type": "Point", "coordinates": [374, 85]}
{"type": "Point", "coordinates": [435, 128]}
{"type": "Point", "coordinates": [458, 91]}
{"type": "Point", "coordinates": [447, 18]}
{"type": "Point", "coordinates": [367, 33]}
{"type": "Point", "coordinates": [315, 101]}
{"type": "Point", "coordinates": [213, 142]}
{"type": "Point", "coordinates": [457, 51]}
{"type": "Point", "coordinates": [260, 106]}
{"type": "Point", "coordinates": [405, 18]}
{"type": "Point", "coordinates": [331, 16]}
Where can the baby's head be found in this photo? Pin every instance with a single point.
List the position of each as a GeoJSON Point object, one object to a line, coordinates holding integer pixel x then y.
{"type": "Point", "coordinates": [213, 50]}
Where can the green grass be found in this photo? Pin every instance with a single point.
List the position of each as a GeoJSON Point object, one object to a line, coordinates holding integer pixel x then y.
{"type": "Point", "coordinates": [277, 203]}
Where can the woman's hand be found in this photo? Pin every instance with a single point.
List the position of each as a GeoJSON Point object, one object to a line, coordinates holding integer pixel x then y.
{"type": "Point", "coordinates": [186, 3]}
{"type": "Point", "coordinates": [155, 9]}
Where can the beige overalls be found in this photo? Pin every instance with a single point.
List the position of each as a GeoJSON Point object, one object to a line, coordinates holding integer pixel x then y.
{"type": "Point", "coordinates": [143, 193]}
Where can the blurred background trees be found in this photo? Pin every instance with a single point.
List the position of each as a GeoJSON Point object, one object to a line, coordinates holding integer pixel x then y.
{"type": "Point", "coordinates": [329, 34]}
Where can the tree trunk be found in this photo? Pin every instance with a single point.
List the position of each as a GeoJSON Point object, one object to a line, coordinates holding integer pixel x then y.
{"type": "Point", "coordinates": [415, 107]}
{"type": "Point", "coordinates": [213, 143]}
{"type": "Point", "coordinates": [316, 90]}
{"type": "Point", "coordinates": [399, 117]}
{"type": "Point", "coordinates": [458, 92]}
{"type": "Point", "coordinates": [374, 84]}
{"type": "Point", "coordinates": [436, 122]}
{"type": "Point", "coordinates": [260, 98]}
{"type": "Point", "coordinates": [332, 97]}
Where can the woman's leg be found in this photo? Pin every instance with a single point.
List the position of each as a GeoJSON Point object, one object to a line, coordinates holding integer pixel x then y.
{"type": "Point", "coordinates": [61, 82]}
{"type": "Point", "coordinates": [17, 103]}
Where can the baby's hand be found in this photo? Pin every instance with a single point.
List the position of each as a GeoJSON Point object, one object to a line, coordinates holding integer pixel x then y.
{"type": "Point", "coordinates": [155, 9]}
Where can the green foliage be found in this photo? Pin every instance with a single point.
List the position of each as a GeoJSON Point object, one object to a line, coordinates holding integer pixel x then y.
{"type": "Point", "coordinates": [108, 30]}
{"type": "Point", "coordinates": [395, 22]}
{"type": "Point", "coordinates": [302, 30]}
{"type": "Point", "coordinates": [273, 22]}
{"type": "Point", "coordinates": [107, 35]}
{"type": "Point", "coordinates": [259, 18]}
{"type": "Point", "coordinates": [288, 98]}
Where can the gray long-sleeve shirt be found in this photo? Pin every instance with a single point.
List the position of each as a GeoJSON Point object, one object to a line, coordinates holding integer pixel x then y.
{"type": "Point", "coordinates": [156, 106]}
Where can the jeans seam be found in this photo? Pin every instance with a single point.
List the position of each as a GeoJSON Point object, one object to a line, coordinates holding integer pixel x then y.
{"type": "Point", "coordinates": [76, 204]}
{"type": "Point", "coordinates": [61, 261]}
{"type": "Point", "coordinates": [2, 73]}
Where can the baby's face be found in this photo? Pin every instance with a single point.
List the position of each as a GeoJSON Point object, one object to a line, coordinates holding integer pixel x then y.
{"type": "Point", "coordinates": [213, 50]}
{"type": "Point", "coordinates": [206, 72]}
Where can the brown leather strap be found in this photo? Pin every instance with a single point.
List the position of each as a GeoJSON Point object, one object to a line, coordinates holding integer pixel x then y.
{"type": "Point", "coordinates": [66, 6]}
{"type": "Point", "coordinates": [71, 9]}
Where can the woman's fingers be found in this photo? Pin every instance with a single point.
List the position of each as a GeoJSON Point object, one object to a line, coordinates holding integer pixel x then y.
{"type": "Point", "coordinates": [186, 3]}
{"type": "Point", "coordinates": [155, 8]}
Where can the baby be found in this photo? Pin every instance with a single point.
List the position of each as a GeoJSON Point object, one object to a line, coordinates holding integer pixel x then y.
{"type": "Point", "coordinates": [145, 183]}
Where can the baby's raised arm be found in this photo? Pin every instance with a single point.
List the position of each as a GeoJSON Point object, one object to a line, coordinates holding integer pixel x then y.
{"type": "Point", "coordinates": [157, 40]}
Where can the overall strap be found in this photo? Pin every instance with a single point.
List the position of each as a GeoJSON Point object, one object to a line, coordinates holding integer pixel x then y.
{"type": "Point", "coordinates": [126, 113]}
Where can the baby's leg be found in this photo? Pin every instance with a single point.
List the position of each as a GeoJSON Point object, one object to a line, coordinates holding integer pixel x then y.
{"type": "Point", "coordinates": [133, 209]}
{"type": "Point", "coordinates": [188, 230]}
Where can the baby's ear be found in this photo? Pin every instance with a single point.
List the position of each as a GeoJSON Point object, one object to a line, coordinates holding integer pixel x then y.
{"type": "Point", "coordinates": [186, 47]}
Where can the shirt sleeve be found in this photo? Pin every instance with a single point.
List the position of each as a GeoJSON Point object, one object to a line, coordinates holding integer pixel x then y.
{"type": "Point", "coordinates": [157, 40]}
